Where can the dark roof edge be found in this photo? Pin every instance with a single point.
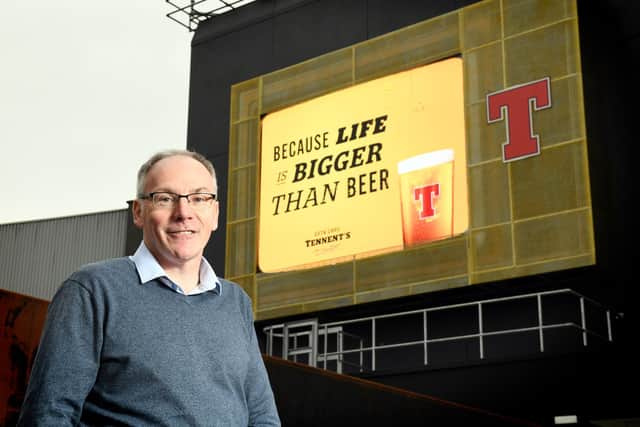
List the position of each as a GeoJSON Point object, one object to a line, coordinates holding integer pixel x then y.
{"type": "Point", "coordinates": [243, 17]}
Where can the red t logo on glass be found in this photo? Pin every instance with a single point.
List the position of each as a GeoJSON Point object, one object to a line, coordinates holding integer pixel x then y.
{"type": "Point", "coordinates": [516, 104]}
{"type": "Point", "coordinates": [426, 195]}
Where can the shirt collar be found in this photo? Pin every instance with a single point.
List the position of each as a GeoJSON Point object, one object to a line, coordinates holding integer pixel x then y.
{"type": "Point", "coordinates": [149, 269]}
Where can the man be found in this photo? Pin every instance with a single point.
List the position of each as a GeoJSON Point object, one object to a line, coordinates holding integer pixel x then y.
{"type": "Point", "coordinates": [156, 338]}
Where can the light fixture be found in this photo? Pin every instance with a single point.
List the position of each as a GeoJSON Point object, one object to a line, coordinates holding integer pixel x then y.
{"type": "Point", "coordinates": [565, 419]}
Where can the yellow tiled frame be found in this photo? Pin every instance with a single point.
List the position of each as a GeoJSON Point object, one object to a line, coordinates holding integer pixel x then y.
{"type": "Point", "coordinates": [526, 217]}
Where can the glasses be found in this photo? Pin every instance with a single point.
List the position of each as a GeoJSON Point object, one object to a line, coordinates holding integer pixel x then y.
{"type": "Point", "coordinates": [165, 200]}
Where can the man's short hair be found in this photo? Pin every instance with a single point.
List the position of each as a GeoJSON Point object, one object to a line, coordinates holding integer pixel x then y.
{"type": "Point", "coordinates": [146, 166]}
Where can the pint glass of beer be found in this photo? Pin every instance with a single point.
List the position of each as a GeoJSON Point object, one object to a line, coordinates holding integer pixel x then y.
{"type": "Point", "coordinates": [426, 193]}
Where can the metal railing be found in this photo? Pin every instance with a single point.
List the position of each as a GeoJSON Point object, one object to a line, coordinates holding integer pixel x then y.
{"type": "Point", "coordinates": [314, 340]}
{"type": "Point", "coordinates": [190, 13]}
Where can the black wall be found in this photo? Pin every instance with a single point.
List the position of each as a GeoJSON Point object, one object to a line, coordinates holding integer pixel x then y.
{"type": "Point", "coordinates": [610, 48]}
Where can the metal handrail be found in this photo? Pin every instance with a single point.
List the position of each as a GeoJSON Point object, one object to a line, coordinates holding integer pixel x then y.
{"type": "Point", "coordinates": [461, 337]}
{"type": "Point", "coordinates": [480, 335]}
{"type": "Point", "coordinates": [465, 304]}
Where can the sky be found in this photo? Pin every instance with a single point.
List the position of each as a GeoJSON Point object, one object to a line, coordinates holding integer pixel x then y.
{"type": "Point", "coordinates": [88, 91]}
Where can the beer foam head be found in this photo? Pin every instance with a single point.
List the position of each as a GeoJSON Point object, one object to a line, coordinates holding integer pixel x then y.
{"type": "Point", "coordinates": [425, 160]}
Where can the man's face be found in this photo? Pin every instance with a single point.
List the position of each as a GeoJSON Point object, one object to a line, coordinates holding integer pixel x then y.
{"type": "Point", "coordinates": [177, 236]}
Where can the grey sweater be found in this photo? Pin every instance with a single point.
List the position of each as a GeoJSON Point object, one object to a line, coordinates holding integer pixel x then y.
{"type": "Point", "coordinates": [118, 352]}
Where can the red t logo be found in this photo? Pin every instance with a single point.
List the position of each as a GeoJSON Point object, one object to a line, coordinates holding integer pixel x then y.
{"type": "Point", "coordinates": [426, 196]}
{"type": "Point", "coordinates": [516, 104]}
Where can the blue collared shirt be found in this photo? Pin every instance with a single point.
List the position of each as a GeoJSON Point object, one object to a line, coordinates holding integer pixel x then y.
{"type": "Point", "coordinates": [149, 269]}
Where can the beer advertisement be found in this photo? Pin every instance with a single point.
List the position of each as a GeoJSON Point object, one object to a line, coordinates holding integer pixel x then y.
{"type": "Point", "coordinates": [373, 168]}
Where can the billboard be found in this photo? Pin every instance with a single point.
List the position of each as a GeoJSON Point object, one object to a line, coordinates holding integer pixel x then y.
{"type": "Point", "coordinates": [373, 168]}
{"type": "Point", "coordinates": [341, 162]}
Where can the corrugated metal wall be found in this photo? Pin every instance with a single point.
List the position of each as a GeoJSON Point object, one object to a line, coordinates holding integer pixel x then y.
{"type": "Point", "coordinates": [35, 257]}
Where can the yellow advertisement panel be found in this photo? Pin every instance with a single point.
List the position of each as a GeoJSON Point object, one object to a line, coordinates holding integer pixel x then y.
{"type": "Point", "coordinates": [373, 168]}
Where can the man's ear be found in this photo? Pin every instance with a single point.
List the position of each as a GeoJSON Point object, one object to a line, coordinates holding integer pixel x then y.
{"type": "Point", "coordinates": [136, 210]}
{"type": "Point", "coordinates": [215, 212]}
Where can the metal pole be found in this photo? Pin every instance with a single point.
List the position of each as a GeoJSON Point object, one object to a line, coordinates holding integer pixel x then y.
{"type": "Point", "coordinates": [426, 336]}
{"type": "Point", "coordinates": [270, 342]}
{"type": "Point", "coordinates": [540, 330]}
{"type": "Point", "coordinates": [584, 322]}
{"type": "Point", "coordinates": [295, 347]}
{"type": "Point", "coordinates": [480, 330]}
{"type": "Point", "coordinates": [361, 357]}
{"type": "Point", "coordinates": [373, 344]}
{"type": "Point", "coordinates": [285, 342]}
{"type": "Point", "coordinates": [339, 340]}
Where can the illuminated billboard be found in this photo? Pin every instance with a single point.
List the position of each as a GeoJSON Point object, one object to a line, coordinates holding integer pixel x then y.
{"type": "Point", "coordinates": [373, 168]}
{"type": "Point", "coordinates": [339, 165]}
